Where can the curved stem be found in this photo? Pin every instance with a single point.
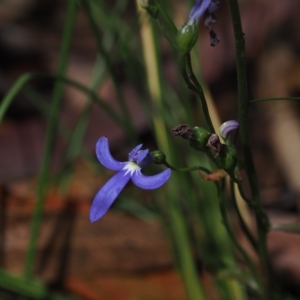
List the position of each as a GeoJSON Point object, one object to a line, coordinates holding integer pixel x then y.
{"type": "Point", "coordinates": [194, 85]}
{"type": "Point", "coordinates": [186, 169]}
{"type": "Point", "coordinates": [25, 78]}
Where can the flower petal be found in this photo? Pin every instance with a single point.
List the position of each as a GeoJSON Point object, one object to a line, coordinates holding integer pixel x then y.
{"type": "Point", "coordinates": [199, 9]}
{"type": "Point", "coordinates": [141, 155]}
{"type": "Point", "coordinates": [134, 152]}
{"type": "Point", "coordinates": [228, 126]}
{"type": "Point", "coordinates": [107, 195]}
{"type": "Point", "coordinates": [104, 156]}
{"type": "Point", "coordinates": [213, 6]}
{"type": "Point", "coordinates": [150, 182]}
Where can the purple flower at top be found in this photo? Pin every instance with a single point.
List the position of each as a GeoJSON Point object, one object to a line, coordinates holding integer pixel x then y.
{"type": "Point", "coordinates": [137, 159]}
{"type": "Point", "coordinates": [207, 7]}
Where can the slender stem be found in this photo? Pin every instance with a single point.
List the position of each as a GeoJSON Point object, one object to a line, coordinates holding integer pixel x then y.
{"type": "Point", "coordinates": [50, 137]}
{"type": "Point", "coordinates": [177, 220]}
{"type": "Point", "coordinates": [25, 78]}
{"type": "Point", "coordinates": [200, 93]}
{"type": "Point", "coordinates": [187, 169]}
{"type": "Point", "coordinates": [193, 84]}
{"type": "Point", "coordinates": [241, 220]}
{"type": "Point", "coordinates": [234, 240]}
{"type": "Point", "coordinates": [166, 17]}
{"type": "Point", "coordinates": [111, 70]}
{"type": "Point", "coordinates": [287, 227]}
{"type": "Point", "coordinates": [274, 99]}
{"type": "Point", "coordinates": [243, 103]}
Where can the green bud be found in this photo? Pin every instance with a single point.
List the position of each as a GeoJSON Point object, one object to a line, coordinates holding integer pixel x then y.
{"type": "Point", "coordinates": [187, 37]}
{"type": "Point", "coordinates": [227, 158]}
{"type": "Point", "coordinates": [199, 138]}
{"type": "Point", "coordinates": [158, 157]}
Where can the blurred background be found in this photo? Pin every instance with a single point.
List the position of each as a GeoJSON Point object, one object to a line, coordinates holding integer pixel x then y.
{"type": "Point", "coordinates": [126, 255]}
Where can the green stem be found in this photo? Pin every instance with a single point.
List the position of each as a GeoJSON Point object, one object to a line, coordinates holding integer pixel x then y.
{"type": "Point", "coordinates": [187, 169]}
{"type": "Point", "coordinates": [234, 240]}
{"type": "Point", "coordinates": [50, 138]}
{"type": "Point", "coordinates": [175, 216]}
{"type": "Point", "coordinates": [262, 221]}
{"type": "Point", "coordinates": [287, 227]}
{"type": "Point", "coordinates": [274, 98]}
{"type": "Point", "coordinates": [241, 220]}
{"type": "Point", "coordinates": [194, 85]}
{"type": "Point", "coordinates": [186, 261]}
{"type": "Point", "coordinates": [111, 70]}
{"type": "Point", "coordinates": [166, 17]}
{"type": "Point", "coordinates": [28, 289]}
{"type": "Point", "coordinates": [25, 78]}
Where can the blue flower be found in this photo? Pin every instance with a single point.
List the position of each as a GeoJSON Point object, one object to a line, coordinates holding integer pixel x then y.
{"type": "Point", "coordinates": [207, 7]}
{"type": "Point", "coordinates": [137, 159]}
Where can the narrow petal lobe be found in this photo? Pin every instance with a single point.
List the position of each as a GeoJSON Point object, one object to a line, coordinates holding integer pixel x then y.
{"type": "Point", "coordinates": [104, 156]}
{"type": "Point", "coordinates": [150, 182]}
{"type": "Point", "coordinates": [107, 195]}
{"type": "Point", "coordinates": [141, 155]}
{"type": "Point", "coordinates": [134, 152]}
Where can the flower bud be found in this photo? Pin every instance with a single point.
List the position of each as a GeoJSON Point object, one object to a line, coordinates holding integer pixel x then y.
{"type": "Point", "coordinates": [227, 158]}
{"type": "Point", "coordinates": [187, 37]}
{"type": "Point", "coordinates": [199, 138]}
{"type": "Point", "coordinates": [158, 157]}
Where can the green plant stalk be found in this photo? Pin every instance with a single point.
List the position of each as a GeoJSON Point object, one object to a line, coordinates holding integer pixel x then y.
{"type": "Point", "coordinates": [231, 234]}
{"type": "Point", "coordinates": [110, 68]}
{"type": "Point", "coordinates": [166, 17]}
{"type": "Point", "coordinates": [262, 221]}
{"type": "Point", "coordinates": [187, 74]}
{"type": "Point", "coordinates": [199, 91]}
{"type": "Point", "coordinates": [219, 248]}
{"type": "Point", "coordinates": [76, 138]}
{"type": "Point", "coordinates": [185, 258]}
{"type": "Point", "coordinates": [154, 80]}
{"type": "Point", "coordinates": [50, 138]}
{"type": "Point", "coordinates": [227, 224]}
{"type": "Point", "coordinates": [186, 262]}
{"type": "Point", "coordinates": [274, 99]}
{"type": "Point", "coordinates": [294, 227]}
{"type": "Point", "coordinates": [229, 289]}
{"type": "Point", "coordinates": [32, 288]}
{"type": "Point", "coordinates": [13, 91]}
{"type": "Point", "coordinates": [243, 224]}
{"type": "Point", "coordinates": [25, 78]}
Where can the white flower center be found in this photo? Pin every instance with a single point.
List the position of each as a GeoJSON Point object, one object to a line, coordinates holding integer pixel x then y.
{"type": "Point", "coordinates": [131, 167]}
